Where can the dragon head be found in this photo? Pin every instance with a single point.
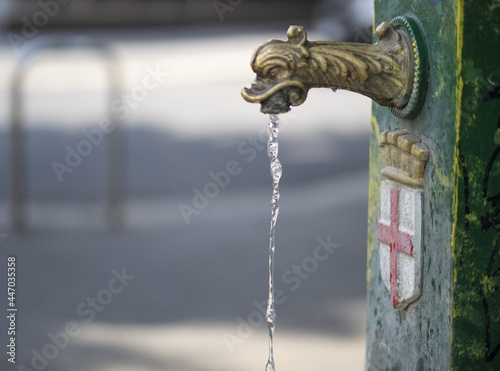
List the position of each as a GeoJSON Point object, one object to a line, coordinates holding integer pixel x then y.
{"type": "Point", "coordinates": [276, 63]}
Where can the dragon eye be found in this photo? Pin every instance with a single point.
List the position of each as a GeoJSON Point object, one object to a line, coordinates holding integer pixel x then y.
{"type": "Point", "coordinates": [273, 72]}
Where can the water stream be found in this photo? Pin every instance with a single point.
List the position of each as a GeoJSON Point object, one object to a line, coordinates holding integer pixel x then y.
{"type": "Point", "coordinates": [276, 175]}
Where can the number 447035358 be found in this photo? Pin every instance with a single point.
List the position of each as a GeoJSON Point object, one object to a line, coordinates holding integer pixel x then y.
{"type": "Point", "coordinates": [11, 280]}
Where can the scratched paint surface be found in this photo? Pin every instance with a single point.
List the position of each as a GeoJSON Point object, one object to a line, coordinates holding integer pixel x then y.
{"type": "Point", "coordinates": [448, 327]}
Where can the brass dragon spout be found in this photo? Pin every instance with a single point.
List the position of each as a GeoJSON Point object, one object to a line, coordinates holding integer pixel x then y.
{"type": "Point", "coordinates": [392, 72]}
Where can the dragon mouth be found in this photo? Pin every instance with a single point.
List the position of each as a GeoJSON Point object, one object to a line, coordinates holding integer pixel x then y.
{"type": "Point", "coordinates": [276, 98]}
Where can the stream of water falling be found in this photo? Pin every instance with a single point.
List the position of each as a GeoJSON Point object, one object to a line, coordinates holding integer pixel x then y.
{"type": "Point", "coordinates": [276, 175]}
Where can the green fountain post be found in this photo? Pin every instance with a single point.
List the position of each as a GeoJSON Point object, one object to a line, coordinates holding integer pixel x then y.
{"type": "Point", "coordinates": [433, 270]}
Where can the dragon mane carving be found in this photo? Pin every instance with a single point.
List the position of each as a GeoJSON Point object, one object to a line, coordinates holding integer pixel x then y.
{"type": "Point", "coordinates": [286, 70]}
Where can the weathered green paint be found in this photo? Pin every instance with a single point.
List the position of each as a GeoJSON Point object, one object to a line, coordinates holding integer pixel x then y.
{"type": "Point", "coordinates": [476, 253]}
{"type": "Point", "coordinates": [448, 328]}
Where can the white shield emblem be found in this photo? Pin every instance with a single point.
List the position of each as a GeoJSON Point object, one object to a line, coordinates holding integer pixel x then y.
{"type": "Point", "coordinates": [398, 232]}
{"type": "Point", "coordinates": [400, 225]}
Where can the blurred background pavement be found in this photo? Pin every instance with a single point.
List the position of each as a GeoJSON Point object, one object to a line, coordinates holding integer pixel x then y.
{"type": "Point", "coordinates": [178, 287]}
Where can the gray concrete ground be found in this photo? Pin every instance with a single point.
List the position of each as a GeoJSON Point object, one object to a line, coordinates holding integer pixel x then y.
{"type": "Point", "coordinates": [172, 295]}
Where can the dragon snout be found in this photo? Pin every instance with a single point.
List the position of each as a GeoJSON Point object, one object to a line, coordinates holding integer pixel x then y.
{"type": "Point", "coordinates": [275, 97]}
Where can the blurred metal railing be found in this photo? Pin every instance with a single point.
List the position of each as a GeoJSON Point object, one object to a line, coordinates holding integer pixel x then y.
{"type": "Point", "coordinates": [115, 160]}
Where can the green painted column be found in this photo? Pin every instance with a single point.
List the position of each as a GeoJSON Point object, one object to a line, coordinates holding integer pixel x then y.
{"type": "Point", "coordinates": [455, 323]}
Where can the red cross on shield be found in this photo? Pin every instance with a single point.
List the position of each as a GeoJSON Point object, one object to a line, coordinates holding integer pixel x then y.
{"type": "Point", "coordinates": [399, 234]}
